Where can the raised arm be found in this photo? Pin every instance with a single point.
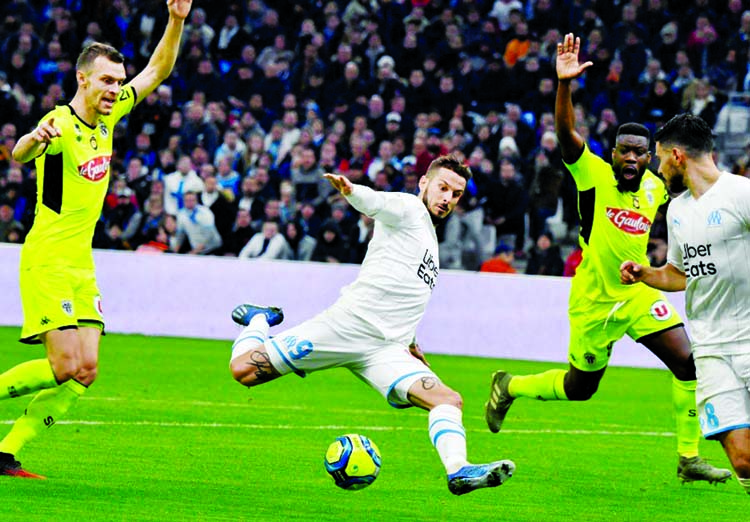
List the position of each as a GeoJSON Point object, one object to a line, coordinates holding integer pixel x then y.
{"type": "Point", "coordinates": [165, 55]}
{"type": "Point", "coordinates": [667, 278]}
{"type": "Point", "coordinates": [568, 68]}
{"type": "Point", "coordinates": [31, 145]}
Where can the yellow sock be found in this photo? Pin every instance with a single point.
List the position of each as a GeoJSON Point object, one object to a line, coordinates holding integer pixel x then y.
{"type": "Point", "coordinates": [688, 427]}
{"type": "Point", "coordinates": [27, 377]}
{"type": "Point", "coordinates": [43, 411]}
{"type": "Point", "coordinates": [548, 386]}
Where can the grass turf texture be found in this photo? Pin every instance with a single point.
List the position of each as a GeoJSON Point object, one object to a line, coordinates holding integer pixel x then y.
{"type": "Point", "coordinates": [166, 434]}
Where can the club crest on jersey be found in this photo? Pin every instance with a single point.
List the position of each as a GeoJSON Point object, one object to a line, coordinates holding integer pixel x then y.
{"type": "Point", "coordinates": [629, 221]}
{"type": "Point", "coordinates": [661, 311]}
{"type": "Point", "coordinates": [98, 305]}
{"type": "Point", "coordinates": [636, 202]}
{"type": "Point", "coordinates": [714, 219]}
{"type": "Point", "coordinates": [67, 307]}
{"type": "Point", "coordinates": [93, 143]}
{"type": "Point", "coordinates": [95, 169]}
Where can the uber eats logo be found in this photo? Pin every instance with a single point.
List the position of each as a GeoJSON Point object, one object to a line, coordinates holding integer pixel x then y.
{"type": "Point", "coordinates": [695, 264]}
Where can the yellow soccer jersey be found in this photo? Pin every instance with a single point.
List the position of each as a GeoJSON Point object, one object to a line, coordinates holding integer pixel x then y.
{"type": "Point", "coordinates": [72, 181]}
{"type": "Point", "coordinates": [614, 226]}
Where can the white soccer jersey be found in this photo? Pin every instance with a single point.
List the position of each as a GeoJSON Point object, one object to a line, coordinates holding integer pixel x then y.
{"type": "Point", "coordinates": [709, 240]}
{"type": "Point", "coordinates": [390, 294]}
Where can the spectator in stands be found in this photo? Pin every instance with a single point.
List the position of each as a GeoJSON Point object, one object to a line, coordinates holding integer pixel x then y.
{"type": "Point", "coordinates": [545, 258]}
{"type": "Point", "coordinates": [196, 223]}
{"type": "Point", "coordinates": [330, 246]}
{"type": "Point", "coordinates": [269, 243]}
{"type": "Point", "coordinates": [501, 262]}
{"type": "Point", "coordinates": [223, 210]}
{"type": "Point", "coordinates": [178, 183]}
{"type": "Point", "coordinates": [506, 205]}
{"type": "Point", "coordinates": [241, 233]}
{"type": "Point", "coordinates": [301, 245]}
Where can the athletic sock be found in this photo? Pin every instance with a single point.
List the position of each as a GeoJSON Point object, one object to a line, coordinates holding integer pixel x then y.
{"type": "Point", "coordinates": [448, 435]}
{"type": "Point", "coordinates": [688, 427]}
{"type": "Point", "coordinates": [745, 483]}
{"type": "Point", "coordinates": [27, 377]}
{"type": "Point", "coordinates": [254, 334]}
{"type": "Point", "coordinates": [548, 386]}
{"type": "Point", "coordinates": [42, 412]}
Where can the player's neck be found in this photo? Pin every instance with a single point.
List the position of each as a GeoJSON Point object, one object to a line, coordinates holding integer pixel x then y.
{"type": "Point", "coordinates": [84, 111]}
{"type": "Point", "coordinates": [701, 176]}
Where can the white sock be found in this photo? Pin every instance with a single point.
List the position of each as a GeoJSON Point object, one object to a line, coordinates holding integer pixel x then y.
{"type": "Point", "coordinates": [448, 436]}
{"type": "Point", "coordinates": [253, 335]}
{"type": "Point", "coordinates": [745, 483]}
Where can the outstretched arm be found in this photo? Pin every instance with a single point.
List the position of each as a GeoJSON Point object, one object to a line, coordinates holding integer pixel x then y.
{"type": "Point", "coordinates": [568, 68]}
{"type": "Point", "coordinates": [31, 145]}
{"type": "Point", "coordinates": [668, 277]}
{"type": "Point", "coordinates": [165, 55]}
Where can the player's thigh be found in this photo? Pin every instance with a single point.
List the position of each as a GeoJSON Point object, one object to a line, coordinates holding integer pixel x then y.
{"type": "Point", "coordinates": [393, 372]}
{"type": "Point", "coordinates": [650, 313]}
{"type": "Point", "coordinates": [594, 328]}
{"type": "Point", "coordinates": [314, 345]}
{"type": "Point", "coordinates": [722, 394]}
{"type": "Point", "coordinates": [48, 301]}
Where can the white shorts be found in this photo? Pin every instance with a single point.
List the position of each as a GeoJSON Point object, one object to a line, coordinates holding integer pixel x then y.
{"type": "Point", "coordinates": [723, 393]}
{"type": "Point", "coordinates": [320, 343]}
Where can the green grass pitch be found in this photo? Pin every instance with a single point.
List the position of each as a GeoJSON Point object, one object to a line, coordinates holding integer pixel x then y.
{"type": "Point", "coordinates": [165, 434]}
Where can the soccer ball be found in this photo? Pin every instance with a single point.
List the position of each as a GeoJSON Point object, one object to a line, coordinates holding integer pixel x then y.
{"type": "Point", "coordinates": [353, 461]}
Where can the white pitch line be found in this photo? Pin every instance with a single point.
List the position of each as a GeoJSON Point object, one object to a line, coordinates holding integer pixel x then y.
{"type": "Point", "coordinates": [161, 424]}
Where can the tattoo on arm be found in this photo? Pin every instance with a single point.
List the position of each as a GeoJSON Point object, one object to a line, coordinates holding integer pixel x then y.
{"type": "Point", "coordinates": [428, 383]}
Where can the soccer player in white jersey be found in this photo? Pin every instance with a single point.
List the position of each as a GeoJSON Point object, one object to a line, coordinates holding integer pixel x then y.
{"type": "Point", "coordinates": [709, 253]}
{"type": "Point", "coordinates": [370, 329]}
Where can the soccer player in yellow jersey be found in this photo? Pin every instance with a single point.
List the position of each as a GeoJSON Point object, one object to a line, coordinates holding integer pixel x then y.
{"type": "Point", "coordinates": [72, 146]}
{"type": "Point", "coordinates": [617, 204]}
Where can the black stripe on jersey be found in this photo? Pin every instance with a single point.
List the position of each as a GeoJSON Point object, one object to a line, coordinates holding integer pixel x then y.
{"type": "Point", "coordinates": [53, 182]}
{"type": "Point", "coordinates": [586, 200]}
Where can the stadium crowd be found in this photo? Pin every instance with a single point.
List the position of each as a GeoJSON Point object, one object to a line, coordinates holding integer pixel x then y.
{"type": "Point", "coordinates": [227, 157]}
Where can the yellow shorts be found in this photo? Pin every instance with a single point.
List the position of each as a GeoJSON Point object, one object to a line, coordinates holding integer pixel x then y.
{"type": "Point", "coordinates": [58, 297]}
{"type": "Point", "coordinates": [595, 326]}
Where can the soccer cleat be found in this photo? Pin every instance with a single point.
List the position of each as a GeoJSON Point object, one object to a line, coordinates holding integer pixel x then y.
{"type": "Point", "coordinates": [500, 401]}
{"type": "Point", "coordinates": [476, 476]}
{"type": "Point", "coordinates": [244, 312]}
{"type": "Point", "coordinates": [10, 467]}
{"type": "Point", "coordinates": [693, 469]}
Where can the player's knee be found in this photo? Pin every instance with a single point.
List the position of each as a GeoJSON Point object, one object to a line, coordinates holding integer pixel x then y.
{"type": "Point", "coordinates": [87, 374]}
{"type": "Point", "coordinates": [242, 373]}
{"type": "Point", "coordinates": [453, 398]}
{"type": "Point", "coordinates": [741, 464]}
{"type": "Point", "coordinates": [581, 393]}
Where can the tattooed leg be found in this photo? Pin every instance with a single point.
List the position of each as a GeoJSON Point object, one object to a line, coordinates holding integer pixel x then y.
{"type": "Point", "coordinates": [254, 367]}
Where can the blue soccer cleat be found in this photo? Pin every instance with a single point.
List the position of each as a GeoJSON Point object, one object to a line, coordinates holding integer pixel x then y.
{"type": "Point", "coordinates": [244, 312]}
{"type": "Point", "coordinates": [476, 476]}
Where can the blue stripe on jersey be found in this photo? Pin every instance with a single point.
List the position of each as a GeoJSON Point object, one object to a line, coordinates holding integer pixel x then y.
{"type": "Point", "coordinates": [286, 359]}
{"type": "Point", "coordinates": [725, 429]}
{"type": "Point", "coordinates": [445, 432]}
{"type": "Point", "coordinates": [247, 338]}
{"type": "Point", "coordinates": [395, 383]}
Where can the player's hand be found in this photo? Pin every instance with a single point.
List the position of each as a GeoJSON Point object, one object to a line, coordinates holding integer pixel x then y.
{"type": "Point", "coordinates": [567, 58]}
{"type": "Point", "coordinates": [340, 183]}
{"type": "Point", "coordinates": [631, 273]}
{"type": "Point", "coordinates": [416, 352]}
{"type": "Point", "coordinates": [46, 132]}
{"type": "Point", "coordinates": [179, 9]}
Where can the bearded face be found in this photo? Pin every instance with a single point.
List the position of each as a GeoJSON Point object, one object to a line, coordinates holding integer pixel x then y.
{"type": "Point", "coordinates": [630, 158]}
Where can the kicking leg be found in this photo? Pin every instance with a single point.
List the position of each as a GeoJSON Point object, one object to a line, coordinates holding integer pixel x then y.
{"type": "Point", "coordinates": [448, 436]}
{"type": "Point", "coordinates": [250, 363]}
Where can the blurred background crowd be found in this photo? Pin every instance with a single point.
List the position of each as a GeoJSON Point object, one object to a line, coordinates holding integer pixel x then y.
{"type": "Point", "coordinates": [226, 157]}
